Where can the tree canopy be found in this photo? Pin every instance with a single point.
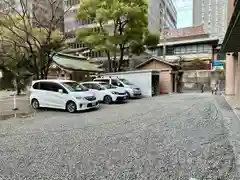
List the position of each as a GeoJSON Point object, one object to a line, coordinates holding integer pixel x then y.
{"type": "Point", "coordinates": [120, 28]}
{"type": "Point", "coordinates": [28, 39]}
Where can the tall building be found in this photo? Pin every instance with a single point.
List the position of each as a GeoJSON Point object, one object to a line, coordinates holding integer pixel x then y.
{"type": "Point", "coordinates": [213, 15]}
{"type": "Point", "coordinates": [156, 14]}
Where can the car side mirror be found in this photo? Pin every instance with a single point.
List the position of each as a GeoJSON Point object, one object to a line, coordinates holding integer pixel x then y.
{"type": "Point", "coordinates": [60, 91]}
{"type": "Point", "coordinates": [120, 85]}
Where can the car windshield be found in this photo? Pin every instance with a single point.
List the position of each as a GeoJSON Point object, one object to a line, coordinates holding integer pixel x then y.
{"type": "Point", "coordinates": [107, 86]}
{"type": "Point", "coordinates": [125, 82]}
{"type": "Point", "coordinates": [74, 86]}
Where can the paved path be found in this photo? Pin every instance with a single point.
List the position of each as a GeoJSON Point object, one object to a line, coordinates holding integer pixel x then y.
{"type": "Point", "coordinates": [7, 104]}
{"type": "Point", "coordinates": [167, 137]}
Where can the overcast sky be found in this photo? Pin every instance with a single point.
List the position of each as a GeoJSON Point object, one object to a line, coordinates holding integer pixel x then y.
{"type": "Point", "coordinates": [184, 9]}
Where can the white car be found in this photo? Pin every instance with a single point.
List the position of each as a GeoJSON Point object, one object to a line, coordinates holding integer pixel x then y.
{"type": "Point", "coordinates": [61, 94]}
{"type": "Point", "coordinates": [131, 90]}
{"type": "Point", "coordinates": [106, 92]}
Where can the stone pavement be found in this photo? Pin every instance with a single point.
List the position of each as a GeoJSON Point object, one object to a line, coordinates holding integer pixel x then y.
{"type": "Point", "coordinates": [180, 136]}
{"type": "Point", "coordinates": [235, 105]}
{"type": "Point", "coordinates": [7, 105]}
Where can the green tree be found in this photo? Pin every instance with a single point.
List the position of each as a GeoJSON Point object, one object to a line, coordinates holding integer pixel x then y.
{"type": "Point", "coordinates": [37, 36]}
{"type": "Point", "coordinates": [122, 27]}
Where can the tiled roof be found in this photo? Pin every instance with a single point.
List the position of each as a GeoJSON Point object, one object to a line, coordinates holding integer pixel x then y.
{"type": "Point", "coordinates": [185, 32]}
{"type": "Point", "coordinates": [157, 59]}
{"type": "Point", "coordinates": [74, 63]}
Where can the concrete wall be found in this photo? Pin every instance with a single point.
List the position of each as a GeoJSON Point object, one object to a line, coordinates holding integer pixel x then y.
{"type": "Point", "coordinates": [194, 79]}
{"type": "Point", "coordinates": [142, 79]}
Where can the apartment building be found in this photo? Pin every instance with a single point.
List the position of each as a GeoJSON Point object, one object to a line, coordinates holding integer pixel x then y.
{"type": "Point", "coordinates": [156, 15]}
{"type": "Point", "coordinates": [213, 15]}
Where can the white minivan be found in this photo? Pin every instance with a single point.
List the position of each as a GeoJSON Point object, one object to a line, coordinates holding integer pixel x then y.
{"type": "Point", "coordinates": [105, 92]}
{"type": "Point", "coordinates": [61, 94]}
{"type": "Point", "coordinates": [131, 90]}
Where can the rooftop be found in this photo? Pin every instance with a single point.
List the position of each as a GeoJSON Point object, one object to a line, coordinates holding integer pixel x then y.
{"type": "Point", "coordinates": [186, 32]}
{"type": "Point", "coordinates": [74, 63]}
{"type": "Point", "coordinates": [190, 41]}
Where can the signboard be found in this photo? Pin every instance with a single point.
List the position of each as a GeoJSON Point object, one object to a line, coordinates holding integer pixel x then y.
{"type": "Point", "coordinates": [217, 65]}
{"type": "Point", "coordinates": [216, 68]}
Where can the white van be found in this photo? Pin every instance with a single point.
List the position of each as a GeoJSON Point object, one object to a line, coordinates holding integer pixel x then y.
{"type": "Point", "coordinates": [106, 92]}
{"type": "Point", "coordinates": [131, 90]}
{"type": "Point", "coordinates": [61, 94]}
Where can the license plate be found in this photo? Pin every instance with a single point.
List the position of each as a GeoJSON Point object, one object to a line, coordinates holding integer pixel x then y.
{"type": "Point", "coordinates": [124, 97]}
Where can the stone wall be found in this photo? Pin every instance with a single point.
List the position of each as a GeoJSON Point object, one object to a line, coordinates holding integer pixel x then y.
{"type": "Point", "coordinates": [194, 79]}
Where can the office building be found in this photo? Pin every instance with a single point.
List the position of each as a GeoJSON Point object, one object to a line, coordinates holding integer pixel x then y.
{"type": "Point", "coordinates": [156, 15]}
{"type": "Point", "coordinates": [213, 15]}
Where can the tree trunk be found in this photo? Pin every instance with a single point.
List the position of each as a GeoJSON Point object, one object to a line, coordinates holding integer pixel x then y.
{"type": "Point", "coordinates": [120, 62]}
{"type": "Point", "coordinates": [46, 73]}
{"type": "Point", "coordinates": [18, 86]}
{"type": "Point", "coordinates": [42, 75]}
{"type": "Point", "coordinates": [109, 62]}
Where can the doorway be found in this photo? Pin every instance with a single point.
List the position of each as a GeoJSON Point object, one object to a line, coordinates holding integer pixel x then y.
{"type": "Point", "coordinates": [173, 82]}
{"type": "Point", "coordinates": [155, 85]}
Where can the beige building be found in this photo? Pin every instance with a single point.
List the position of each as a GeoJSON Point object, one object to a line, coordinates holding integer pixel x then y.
{"type": "Point", "coordinates": [231, 45]}
{"type": "Point", "coordinates": [168, 73]}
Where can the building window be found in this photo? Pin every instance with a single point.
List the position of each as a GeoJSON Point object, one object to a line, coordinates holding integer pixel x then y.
{"type": "Point", "coordinates": [177, 50]}
{"type": "Point", "coordinates": [207, 48]}
{"type": "Point", "coordinates": [194, 49]}
{"type": "Point", "coordinates": [200, 48]}
{"type": "Point", "coordinates": [170, 51]}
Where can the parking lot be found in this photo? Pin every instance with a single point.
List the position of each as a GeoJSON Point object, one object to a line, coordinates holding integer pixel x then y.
{"type": "Point", "coordinates": [165, 137]}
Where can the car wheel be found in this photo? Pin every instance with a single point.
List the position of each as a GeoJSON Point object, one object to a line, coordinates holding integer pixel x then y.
{"type": "Point", "coordinates": [128, 95]}
{"type": "Point", "coordinates": [71, 107]}
{"type": "Point", "coordinates": [35, 104]}
{"type": "Point", "coordinates": [107, 99]}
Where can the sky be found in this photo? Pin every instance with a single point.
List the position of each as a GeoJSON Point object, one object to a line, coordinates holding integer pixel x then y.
{"type": "Point", "coordinates": [184, 10]}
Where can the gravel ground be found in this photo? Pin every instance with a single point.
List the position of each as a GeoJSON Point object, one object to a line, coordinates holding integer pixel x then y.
{"type": "Point", "coordinates": [167, 137]}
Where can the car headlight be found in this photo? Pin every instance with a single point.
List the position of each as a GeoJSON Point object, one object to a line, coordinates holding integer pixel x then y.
{"type": "Point", "coordinates": [114, 92]}
{"type": "Point", "coordinates": [79, 98]}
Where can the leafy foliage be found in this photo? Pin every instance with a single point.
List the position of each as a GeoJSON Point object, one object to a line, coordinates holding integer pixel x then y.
{"type": "Point", "coordinates": [28, 42]}
{"type": "Point", "coordinates": [121, 26]}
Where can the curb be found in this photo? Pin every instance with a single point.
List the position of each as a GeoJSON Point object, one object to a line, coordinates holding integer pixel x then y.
{"type": "Point", "coordinates": [235, 109]}
{"type": "Point", "coordinates": [234, 133]}
{"type": "Point", "coordinates": [16, 114]}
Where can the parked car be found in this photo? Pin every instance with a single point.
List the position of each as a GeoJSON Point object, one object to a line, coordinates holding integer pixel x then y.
{"type": "Point", "coordinates": [106, 92]}
{"type": "Point", "coordinates": [131, 90]}
{"type": "Point", "coordinates": [61, 94]}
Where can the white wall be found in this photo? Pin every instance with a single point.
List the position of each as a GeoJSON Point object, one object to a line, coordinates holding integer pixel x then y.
{"type": "Point", "coordinates": [143, 80]}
